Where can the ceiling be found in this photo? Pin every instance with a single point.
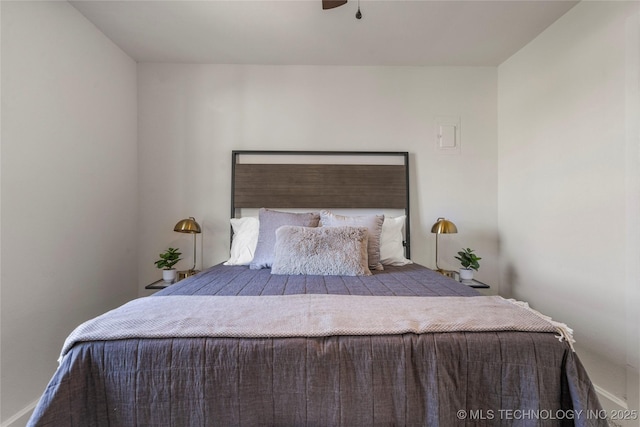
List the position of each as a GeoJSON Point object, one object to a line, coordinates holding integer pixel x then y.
{"type": "Point", "coordinates": [299, 32]}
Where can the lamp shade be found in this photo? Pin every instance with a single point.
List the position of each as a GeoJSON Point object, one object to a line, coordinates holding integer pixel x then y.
{"type": "Point", "coordinates": [188, 225]}
{"type": "Point", "coordinates": [444, 226]}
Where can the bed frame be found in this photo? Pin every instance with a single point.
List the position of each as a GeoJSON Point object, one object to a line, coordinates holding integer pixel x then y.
{"type": "Point", "coordinates": [355, 185]}
{"type": "Point", "coordinates": [338, 379]}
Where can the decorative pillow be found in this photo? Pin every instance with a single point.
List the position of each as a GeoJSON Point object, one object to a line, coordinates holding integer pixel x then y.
{"type": "Point", "coordinates": [245, 239]}
{"type": "Point", "coordinates": [391, 247]}
{"type": "Point", "coordinates": [373, 223]}
{"type": "Point", "coordinates": [270, 221]}
{"type": "Point", "coordinates": [336, 251]}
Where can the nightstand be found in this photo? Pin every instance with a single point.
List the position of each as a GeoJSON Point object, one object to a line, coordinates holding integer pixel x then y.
{"type": "Point", "coordinates": [158, 284]}
{"type": "Point", "coordinates": [161, 284]}
{"type": "Point", "coordinates": [473, 283]}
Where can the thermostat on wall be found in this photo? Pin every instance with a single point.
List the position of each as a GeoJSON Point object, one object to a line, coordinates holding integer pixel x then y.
{"type": "Point", "coordinates": [448, 134]}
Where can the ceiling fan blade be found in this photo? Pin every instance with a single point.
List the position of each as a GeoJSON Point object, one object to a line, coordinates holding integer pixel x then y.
{"type": "Point", "coordinates": [330, 4]}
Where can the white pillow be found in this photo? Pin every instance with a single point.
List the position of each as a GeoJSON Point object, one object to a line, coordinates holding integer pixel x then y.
{"type": "Point", "coordinates": [245, 239]}
{"type": "Point", "coordinates": [391, 248]}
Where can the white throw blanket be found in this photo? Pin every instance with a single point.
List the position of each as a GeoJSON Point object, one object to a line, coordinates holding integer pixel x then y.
{"type": "Point", "coordinates": [309, 316]}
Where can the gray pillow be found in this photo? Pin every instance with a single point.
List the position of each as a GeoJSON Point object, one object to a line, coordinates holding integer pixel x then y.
{"type": "Point", "coordinates": [270, 221]}
{"type": "Point", "coordinates": [373, 223]}
{"type": "Point", "coordinates": [339, 251]}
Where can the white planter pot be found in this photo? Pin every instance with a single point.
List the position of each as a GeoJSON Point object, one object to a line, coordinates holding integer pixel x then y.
{"type": "Point", "coordinates": [169, 276]}
{"type": "Point", "coordinates": [466, 274]}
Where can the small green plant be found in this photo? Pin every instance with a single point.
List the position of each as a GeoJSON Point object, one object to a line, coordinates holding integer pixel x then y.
{"type": "Point", "coordinates": [468, 259]}
{"type": "Point", "coordinates": [168, 259]}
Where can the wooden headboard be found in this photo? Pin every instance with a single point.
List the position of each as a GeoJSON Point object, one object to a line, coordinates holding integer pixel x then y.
{"type": "Point", "coordinates": [359, 180]}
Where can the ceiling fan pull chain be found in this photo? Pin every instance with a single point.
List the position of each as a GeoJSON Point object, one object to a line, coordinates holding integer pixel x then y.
{"type": "Point", "coordinates": [358, 13]}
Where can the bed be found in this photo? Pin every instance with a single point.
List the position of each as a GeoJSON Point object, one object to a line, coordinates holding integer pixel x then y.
{"type": "Point", "coordinates": [379, 341]}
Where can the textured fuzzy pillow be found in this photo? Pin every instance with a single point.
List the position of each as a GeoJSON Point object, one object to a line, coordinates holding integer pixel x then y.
{"type": "Point", "coordinates": [373, 223]}
{"type": "Point", "coordinates": [335, 251]}
{"type": "Point", "coordinates": [270, 221]}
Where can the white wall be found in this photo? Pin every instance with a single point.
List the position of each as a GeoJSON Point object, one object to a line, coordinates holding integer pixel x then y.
{"type": "Point", "coordinates": [568, 184]}
{"type": "Point", "coordinates": [562, 108]}
{"type": "Point", "coordinates": [69, 187]}
{"type": "Point", "coordinates": [192, 116]}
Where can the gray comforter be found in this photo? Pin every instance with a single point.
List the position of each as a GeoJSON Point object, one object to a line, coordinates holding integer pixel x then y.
{"type": "Point", "coordinates": [429, 379]}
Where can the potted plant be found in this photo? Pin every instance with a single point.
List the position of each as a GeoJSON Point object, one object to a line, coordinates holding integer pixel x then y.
{"type": "Point", "coordinates": [469, 262]}
{"type": "Point", "coordinates": [167, 260]}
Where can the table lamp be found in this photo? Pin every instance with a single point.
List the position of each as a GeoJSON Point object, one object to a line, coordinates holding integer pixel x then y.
{"type": "Point", "coordinates": [189, 225]}
{"type": "Point", "coordinates": [442, 226]}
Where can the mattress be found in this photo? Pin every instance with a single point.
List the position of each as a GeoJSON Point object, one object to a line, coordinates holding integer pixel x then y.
{"type": "Point", "coordinates": [408, 280]}
{"type": "Point", "coordinates": [428, 379]}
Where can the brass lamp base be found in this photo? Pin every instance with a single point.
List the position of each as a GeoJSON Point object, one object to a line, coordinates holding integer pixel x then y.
{"type": "Point", "coordinates": [448, 273]}
{"type": "Point", "coordinates": [186, 273]}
